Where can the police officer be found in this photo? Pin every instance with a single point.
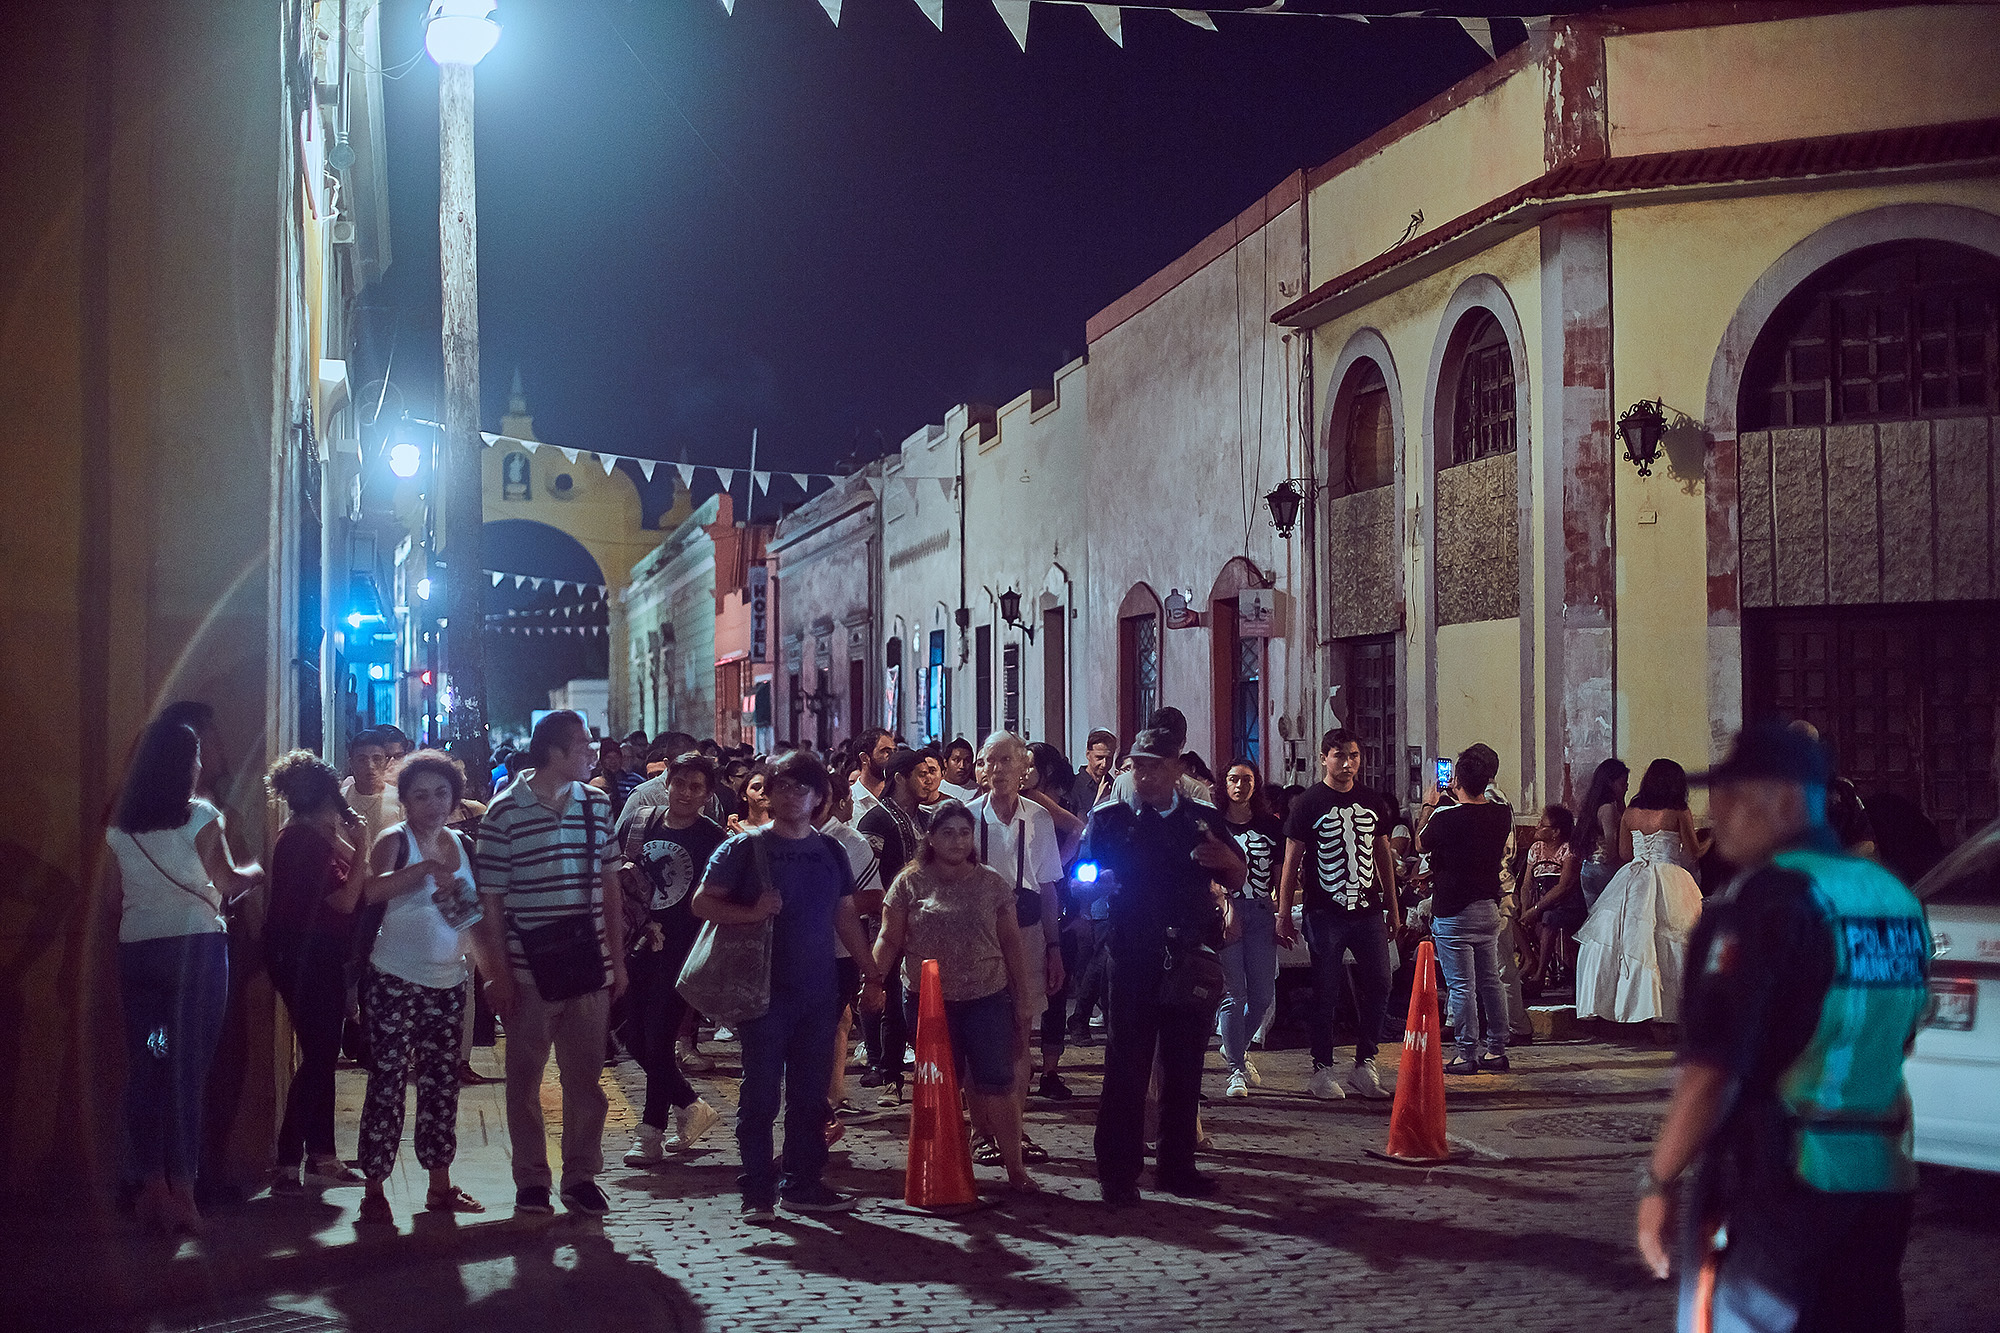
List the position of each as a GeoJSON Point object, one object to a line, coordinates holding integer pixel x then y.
{"type": "Point", "coordinates": [1160, 856]}
{"type": "Point", "coordinates": [1805, 986]}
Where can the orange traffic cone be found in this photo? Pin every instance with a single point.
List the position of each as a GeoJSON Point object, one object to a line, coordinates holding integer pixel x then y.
{"type": "Point", "coordinates": [1416, 1117]}
{"type": "Point", "coordinates": [940, 1171]}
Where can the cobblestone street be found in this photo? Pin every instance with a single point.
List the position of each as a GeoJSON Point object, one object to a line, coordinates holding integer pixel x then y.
{"type": "Point", "coordinates": [1528, 1231]}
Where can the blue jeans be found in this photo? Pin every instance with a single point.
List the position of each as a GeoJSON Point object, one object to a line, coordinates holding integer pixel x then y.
{"type": "Point", "coordinates": [790, 1046]}
{"type": "Point", "coordinates": [175, 992]}
{"type": "Point", "coordinates": [1329, 934]}
{"type": "Point", "coordinates": [1250, 970]}
{"type": "Point", "coordinates": [1468, 949]}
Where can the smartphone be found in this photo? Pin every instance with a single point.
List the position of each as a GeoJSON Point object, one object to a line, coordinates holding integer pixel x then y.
{"type": "Point", "coordinates": [1084, 873]}
{"type": "Point", "coordinates": [1443, 767]}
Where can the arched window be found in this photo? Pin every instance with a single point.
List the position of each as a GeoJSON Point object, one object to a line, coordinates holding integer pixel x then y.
{"type": "Point", "coordinates": [1483, 406]}
{"type": "Point", "coordinates": [1138, 659]}
{"type": "Point", "coordinates": [514, 483]}
{"type": "Point", "coordinates": [1890, 333]}
{"type": "Point", "coordinates": [1370, 442]}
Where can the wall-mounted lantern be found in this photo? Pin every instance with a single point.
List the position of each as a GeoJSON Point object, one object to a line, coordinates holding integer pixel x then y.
{"type": "Point", "coordinates": [1010, 612]}
{"type": "Point", "coordinates": [1284, 505]}
{"type": "Point", "coordinates": [1642, 425]}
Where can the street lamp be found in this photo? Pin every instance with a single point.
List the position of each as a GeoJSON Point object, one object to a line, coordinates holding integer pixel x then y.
{"type": "Point", "coordinates": [404, 459]}
{"type": "Point", "coordinates": [1283, 503]}
{"type": "Point", "coordinates": [1010, 612]}
{"type": "Point", "coordinates": [458, 33]}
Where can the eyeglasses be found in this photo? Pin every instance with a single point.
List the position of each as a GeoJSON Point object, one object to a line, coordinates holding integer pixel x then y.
{"type": "Point", "coordinates": [786, 786]}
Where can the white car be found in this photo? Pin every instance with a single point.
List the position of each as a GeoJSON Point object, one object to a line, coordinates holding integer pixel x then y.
{"type": "Point", "coordinates": [1954, 1071]}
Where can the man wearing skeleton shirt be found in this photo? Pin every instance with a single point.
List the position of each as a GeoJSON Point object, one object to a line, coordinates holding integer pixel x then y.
{"type": "Point", "coordinates": [1337, 854]}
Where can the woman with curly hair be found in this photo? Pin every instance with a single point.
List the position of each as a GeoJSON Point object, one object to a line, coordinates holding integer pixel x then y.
{"type": "Point", "coordinates": [308, 934]}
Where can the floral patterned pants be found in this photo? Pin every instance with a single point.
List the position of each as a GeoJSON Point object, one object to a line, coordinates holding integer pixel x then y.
{"type": "Point", "coordinates": [412, 1030]}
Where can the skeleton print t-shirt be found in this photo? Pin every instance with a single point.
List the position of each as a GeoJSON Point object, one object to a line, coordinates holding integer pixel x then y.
{"type": "Point", "coordinates": [1263, 844]}
{"type": "Point", "coordinates": [1339, 829]}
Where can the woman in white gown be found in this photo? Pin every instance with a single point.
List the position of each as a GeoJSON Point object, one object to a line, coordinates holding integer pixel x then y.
{"type": "Point", "coordinates": [1632, 949]}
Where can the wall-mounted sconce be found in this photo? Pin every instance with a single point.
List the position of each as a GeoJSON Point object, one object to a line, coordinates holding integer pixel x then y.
{"type": "Point", "coordinates": [1642, 425]}
{"type": "Point", "coordinates": [1010, 611]}
{"type": "Point", "coordinates": [1284, 505]}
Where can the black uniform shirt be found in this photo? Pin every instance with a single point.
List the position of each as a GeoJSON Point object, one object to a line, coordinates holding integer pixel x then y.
{"type": "Point", "coordinates": [1159, 884]}
{"type": "Point", "coordinates": [1758, 967]}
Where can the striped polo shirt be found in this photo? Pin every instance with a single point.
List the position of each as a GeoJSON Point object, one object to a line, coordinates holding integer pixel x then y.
{"type": "Point", "coordinates": [542, 865]}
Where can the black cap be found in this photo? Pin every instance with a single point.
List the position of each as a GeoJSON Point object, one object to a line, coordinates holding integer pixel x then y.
{"type": "Point", "coordinates": [1155, 743]}
{"type": "Point", "coordinates": [1770, 751]}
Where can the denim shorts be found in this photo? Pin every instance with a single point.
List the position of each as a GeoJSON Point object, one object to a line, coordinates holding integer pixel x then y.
{"type": "Point", "coordinates": [982, 1039]}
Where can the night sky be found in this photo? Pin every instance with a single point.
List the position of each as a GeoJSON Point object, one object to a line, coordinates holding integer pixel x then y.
{"type": "Point", "coordinates": [691, 224]}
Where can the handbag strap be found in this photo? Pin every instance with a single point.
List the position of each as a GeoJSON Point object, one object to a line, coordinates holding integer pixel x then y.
{"type": "Point", "coordinates": [1020, 835]}
{"type": "Point", "coordinates": [211, 903]}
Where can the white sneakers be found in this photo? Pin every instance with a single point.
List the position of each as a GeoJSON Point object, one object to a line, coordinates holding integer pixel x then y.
{"type": "Point", "coordinates": [645, 1149]}
{"type": "Point", "coordinates": [1364, 1081]}
{"type": "Point", "coordinates": [1250, 1072]}
{"type": "Point", "coordinates": [1325, 1084]}
{"type": "Point", "coordinates": [651, 1146]}
{"type": "Point", "coordinates": [691, 1122]}
{"type": "Point", "coordinates": [1239, 1086]}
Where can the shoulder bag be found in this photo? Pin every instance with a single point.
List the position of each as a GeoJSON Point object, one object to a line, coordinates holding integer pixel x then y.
{"type": "Point", "coordinates": [1027, 897]}
{"type": "Point", "coordinates": [563, 956]}
{"type": "Point", "coordinates": [727, 975]}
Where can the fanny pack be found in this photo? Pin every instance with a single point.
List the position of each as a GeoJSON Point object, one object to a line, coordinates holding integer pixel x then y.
{"type": "Point", "coordinates": [1191, 976]}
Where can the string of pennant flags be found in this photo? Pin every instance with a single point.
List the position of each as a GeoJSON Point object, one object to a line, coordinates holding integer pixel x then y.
{"type": "Point", "coordinates": [725, 476]}
{"type": "Point", "coordinates": [1015, 13]}
{"type": "Point", "coordinates": [544, 631]}
{"type": "Point", "coordinates": [539, 581]}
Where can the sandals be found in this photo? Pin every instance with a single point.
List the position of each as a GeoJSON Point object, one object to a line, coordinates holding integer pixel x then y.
{"type": "Point", "coordinates": [375, 1212]}
{"type": "Point", "coordinates": [1031, 1151]}
{"type": "Point", "coordinates": [453, 1200]}
{"type": "Point", "coordinates": [985, 1151]}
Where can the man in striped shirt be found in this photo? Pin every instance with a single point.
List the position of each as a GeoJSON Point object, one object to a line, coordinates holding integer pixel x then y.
{"type": "Point", "coordinates": [545, 854]}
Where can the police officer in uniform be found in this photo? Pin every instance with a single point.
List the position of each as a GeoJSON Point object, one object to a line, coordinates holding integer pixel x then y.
{"type": "Point", "coordinates": [1160, 856]}
{"type": "Point", "coordinates": [1806, 984]}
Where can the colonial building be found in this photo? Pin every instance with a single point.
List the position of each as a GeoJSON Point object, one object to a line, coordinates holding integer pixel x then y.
{"type": "Point", "coordinates": [1780, 227]}
{"type": "Point", "coordinates": [826, 567]}
{"type": "Point", "coordinates": [925, 616]}
{"type": "Point", "coordinates": [175, 345]}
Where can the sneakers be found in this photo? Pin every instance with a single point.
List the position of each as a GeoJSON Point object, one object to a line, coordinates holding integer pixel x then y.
{"type": "Point", "coordinates": [584, 1197]}
{"type": "Point", "coordinates": [1239, 1086]}
{"type": "Point", "coordinates": [1052, 1088]}
{"type": "Point", "coordinates": [755, 1211]}
{"type": "Point", "coordinates": [533, 1199]}
{"type": "Point", "coordinates": [1250, 1072]}
{"type": "Point", "coordinates": [1364, 1081]}
{"type": "Point", "coordinates": [892, 1095]}
{"type": "Point", "coordinates": [874, 1078]}
{"type": "Point", "coordinates": [815, 1198]}
{"type": "Point", "coordinates": [1325, 1084]}
{"type": "Point", "coordinates": [645, 1149]}
{"type": "Point", "coordinates": [724, 1034]}
{"type": "Point", "coordinates": [690, 1123]}
{"type": "Point", "coordinates": [330, 1171]}
{"type": "Point", "coordinates": [692, 1060]}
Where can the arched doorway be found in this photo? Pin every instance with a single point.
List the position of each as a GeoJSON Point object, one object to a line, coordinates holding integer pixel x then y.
{"type": "Point", "coordinates": [1139, 625]}
{"type": "Point", "coordinates": [1869, 412]}
{"type": "Point", "coordinates": [1236, 670]}
{"type": "Point", "coordinates": [539, 639]}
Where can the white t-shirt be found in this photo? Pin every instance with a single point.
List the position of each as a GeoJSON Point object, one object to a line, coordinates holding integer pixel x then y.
{"type": "Point", "coordinates": [1042, 863]}
{"type": "Point", "coordinates": [861, 860]}
{"type": "Point", "coordinates": [415, 942]}
{"type": "Point", "coordinates": [167, 891]}
{"type": "Point", "coordinates": [378, 812]}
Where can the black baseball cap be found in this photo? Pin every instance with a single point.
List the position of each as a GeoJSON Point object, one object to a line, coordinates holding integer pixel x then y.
{"type": "Point", "coordinates": [1156, 743]}
{"type": "Point", "coordinates": [1770, 750]}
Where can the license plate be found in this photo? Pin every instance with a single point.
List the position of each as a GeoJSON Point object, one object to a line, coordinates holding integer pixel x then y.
{"type": "Point", "coordinates": [1953, 1004]}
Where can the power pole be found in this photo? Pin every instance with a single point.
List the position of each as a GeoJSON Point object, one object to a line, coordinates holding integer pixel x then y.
{"type": "Point", "coordinates": [464, 483]}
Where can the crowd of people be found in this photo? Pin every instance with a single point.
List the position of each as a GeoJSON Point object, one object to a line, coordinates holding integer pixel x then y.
{"type": "Point", "coordinates": [1138, 896]}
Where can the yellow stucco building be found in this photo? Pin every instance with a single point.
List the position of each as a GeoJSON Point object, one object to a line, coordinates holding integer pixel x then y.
{"type": "Point", "coordinates": [1783, 224]}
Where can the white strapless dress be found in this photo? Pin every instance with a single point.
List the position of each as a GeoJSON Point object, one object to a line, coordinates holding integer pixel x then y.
{"type": "Point", "coordinates": [1632, 950]}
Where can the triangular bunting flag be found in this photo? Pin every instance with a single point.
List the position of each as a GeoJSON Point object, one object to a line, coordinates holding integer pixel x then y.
{"type": "Point", "coordinates": [832, 8]}
{"type": "Point", "coordinates": [537, 583]}
{"type": "Point", "coordinates": [1198, 17]}
{"type": "Point", "coordinates": [944, 484]}
{"type": "Point", "coordinates": [763, 480]}
{"type": "Point", "coordinates": [1358, 18]}
{"type": "Point", "coordinates": [497, 576]}
{"type": "Point", "coordinates": [1014, 13]}
{"type": "Point", "coordinates": [911, 483]}
{"type": "Point", "coordinates": [646, 466]}
{"type": "Point", "coordinates": [802, 478]}
{"type": "Point", "coordinates": [729, 7]}
{"type": "Point", "coordinates": [520, 579]}
{"type": "Point", "coordinates": [610, 461]}
{"type": "Point", "coordinates": [1481, 31]}
{"type": "Point", "coordinates": [490, 438]}
{"type": "Point", "coordinates": [560, 586]}
{"type": "Point", "coordinates": [725, 475]}
{"type": "Point", "coordinates": [1274, 7]}
{"type": "Point", "coordinates": [570, 454]}
{"type": "Point", "coordinates": [934, 11]}
{"type": "Point", "coordinates": [874, 486]}
{"type": "Point", "coordinates": [1111, 19]}
{"type": "Point", "coordinates": [530, 445]}
{"type": "Point", "coordinates": [687, 475]}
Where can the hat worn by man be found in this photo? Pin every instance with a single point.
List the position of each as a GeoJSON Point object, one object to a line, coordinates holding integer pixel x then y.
{"type": "Point", "coordinates": [1770, 751]}
{"type": "Point", "coordinates": [1155, 743]}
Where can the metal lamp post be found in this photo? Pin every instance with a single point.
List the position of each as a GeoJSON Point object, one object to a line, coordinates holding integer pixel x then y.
{"type": "Point", "coordinates": [458, 33]}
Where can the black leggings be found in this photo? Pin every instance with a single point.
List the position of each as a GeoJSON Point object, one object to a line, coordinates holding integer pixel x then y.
{"type": "Point", "coordinates": [653, 1010]}
{"type": "Point", "coordinates": [309, 971]}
